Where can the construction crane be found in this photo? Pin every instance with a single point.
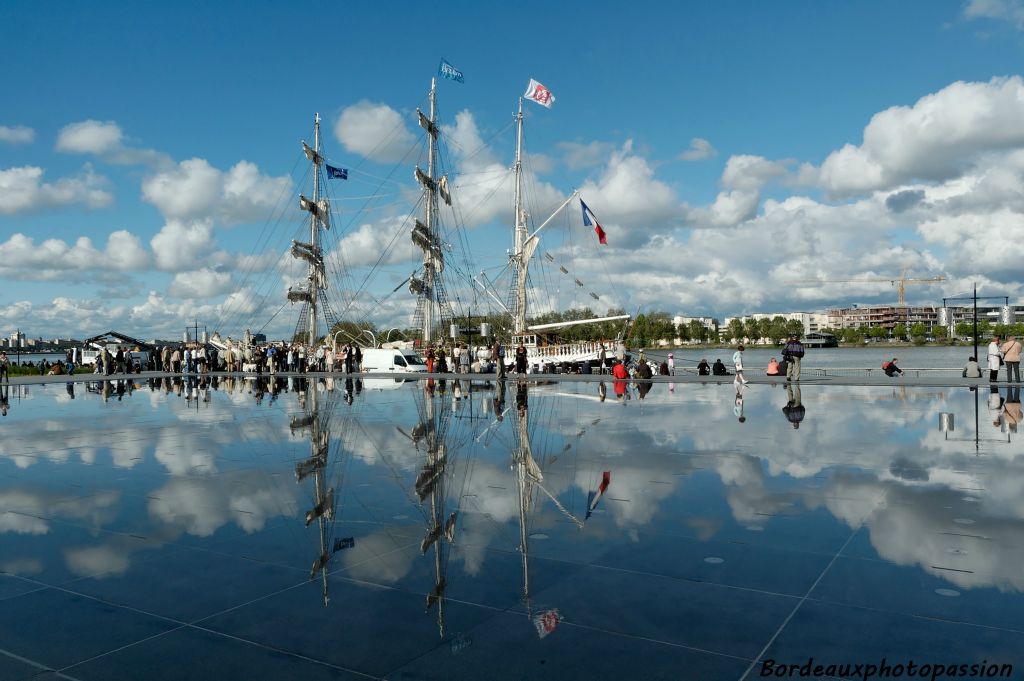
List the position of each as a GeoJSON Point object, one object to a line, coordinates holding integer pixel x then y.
{"type": "Point", "coordinates": [899, 282]}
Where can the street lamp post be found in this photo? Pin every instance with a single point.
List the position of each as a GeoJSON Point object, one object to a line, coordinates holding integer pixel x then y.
{"type": "Point", "coordinates": [976, 298]}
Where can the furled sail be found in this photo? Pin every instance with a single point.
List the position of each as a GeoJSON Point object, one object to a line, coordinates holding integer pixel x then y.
{"type": "Point", "coordinates": [442, 188]}
{"type": "Point", "coordinates": [311, 154]}
{"type": "Point", "coordinates": [424, 179]}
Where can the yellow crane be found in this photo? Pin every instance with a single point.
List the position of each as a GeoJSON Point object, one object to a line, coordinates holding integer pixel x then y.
{"type": "Point", "coordinates": [899, 282]}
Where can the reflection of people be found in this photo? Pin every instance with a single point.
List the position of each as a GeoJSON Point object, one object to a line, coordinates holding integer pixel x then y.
{"type": "Point", "coordinates": [1011, 409]}
{"type": "Point", "coordinates": [643, 388]}
{"type": "Point", "coordinates": [521, 399]}
{"type": "Point", "coordinates": [995, 358]}
{"type": "Point", "coordinates": [499, 399]}
{"type": "Point", "coordinates": [773, 367]}
{"type": "Point", "coordinates": [794, 409]}
{"type": "Point", "coordinates": [891, 369]}
{"type": "Point", "coordinates": [620, 389]}
{"type": "Point", "coordinates": [602, 391]}
{"type": "Point", "coordinates": [5, 403]}
{"type": "Point", "coordinates": [995, 407]}
{"type": "Point", "coordinates": [719, 369]}
{"type": "Point", "coordinates": [971, 369]}
{"type": "Point", "coordinates": [703, 369]}
{"type": "Point", "coordinates": [738, 404]}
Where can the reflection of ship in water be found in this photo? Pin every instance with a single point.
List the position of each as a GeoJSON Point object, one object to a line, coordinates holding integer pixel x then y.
{"type": "Point", "coordinates": [316, 420]}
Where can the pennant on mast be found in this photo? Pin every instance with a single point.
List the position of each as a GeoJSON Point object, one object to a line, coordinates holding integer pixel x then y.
{"type": "Point", "coordinates": [540, 94]}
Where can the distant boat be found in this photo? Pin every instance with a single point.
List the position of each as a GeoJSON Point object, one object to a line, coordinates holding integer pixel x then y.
{"type": "Point", "coordinates": [820, 340]}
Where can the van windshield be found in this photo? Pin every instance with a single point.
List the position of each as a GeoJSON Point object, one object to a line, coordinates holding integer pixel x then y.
{"type": "Point", "coordinates": [415, 360]}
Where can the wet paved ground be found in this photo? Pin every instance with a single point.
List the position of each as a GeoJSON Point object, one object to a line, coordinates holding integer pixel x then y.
{"type": "Point", "coordinates": [158, 529]}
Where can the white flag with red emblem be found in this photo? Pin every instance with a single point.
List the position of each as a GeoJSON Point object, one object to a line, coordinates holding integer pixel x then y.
{"type": "Point", "coordinates": [539, 94]}
{"type": "Point", "coordinates": [547, 622]}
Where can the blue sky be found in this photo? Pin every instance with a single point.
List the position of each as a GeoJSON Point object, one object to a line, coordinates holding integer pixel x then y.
{"type": "Point", "coordinates": [176, 129]}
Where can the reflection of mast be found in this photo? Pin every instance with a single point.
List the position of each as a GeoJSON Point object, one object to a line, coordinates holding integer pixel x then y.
{"type": "Point", "coordinates": [315, 465]}
{"type": "Point", "coordinates": [431, 483]}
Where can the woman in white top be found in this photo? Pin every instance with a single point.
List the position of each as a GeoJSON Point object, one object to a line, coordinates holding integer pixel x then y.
{"type": "Point", "coordinates": [995, 356]}
{"type": "Point", "coordinates": [737, 360]}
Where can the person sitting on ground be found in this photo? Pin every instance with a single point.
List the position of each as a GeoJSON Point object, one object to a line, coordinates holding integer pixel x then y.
{"type": "Point", "coordinates": [619, 371]}
{"type": "Point", "coordinates": [56, 369]}
{"type": "Point", "coordinates": [644, 370]}
{"type": "Point", "coordinates": [703, 369]}
{"type": "Point", "coordinates": [773, 367]}
{"type": "Point", "coordinates": [972, 369]}
{"type": "Point", "coordinates": [891, 369]}
{"type": "Point", "coordinates": [719, 369]}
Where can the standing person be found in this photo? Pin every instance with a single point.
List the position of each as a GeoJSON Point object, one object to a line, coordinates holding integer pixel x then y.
{"type": "Point", "coordinates": [5, 365]}
{"type": "Point", "coordinates": [358, 362]}
{"type": "Point", "coordinates": [464, 359]}
{"type": "Point", "coordinates": [456, 356]}
{"type": "Point", "coordinates": [995, 359]}
{"type": "Point", "coordinates": [671, 364]}
{"type": "Point", "coordinates": [602, 359]}
{"type": "Point", "coordinates": [521, 358]}
{"type": "Point", "coordinates": [792, 353]}
{"type": "Point", "coordinates": [499, 358]}
{"type": "Point", "coordinates": [737, 361]}
{"type": "Point", "coordinates": [1011, 357]}
{"type": "Point", "coordinates": [350, 358]}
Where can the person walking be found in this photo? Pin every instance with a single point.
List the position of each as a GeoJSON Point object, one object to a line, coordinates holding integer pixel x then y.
{"type": "Point", "coordinates": [671, 364]}
{"type": "Point", "coordinates": [5, 365]}
{"type": "Point", "coordinates": [995, 359]}
{"type": "Point", "coordinates": [499, 359]}
{"type": "Point", "coordinates": [1011, 357]}
{"type": "Point", "coordinates": [737, 361]}
{"type": "Point", "coordinates": [464, 360]}
{"type": "Point", "coordinates": [792, 353]}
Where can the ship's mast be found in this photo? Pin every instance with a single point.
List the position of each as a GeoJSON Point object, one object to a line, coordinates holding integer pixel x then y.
{"type": "Point", "coordinates": [520, 258]}
{"type": "Point", "coordinates": [314, 233]}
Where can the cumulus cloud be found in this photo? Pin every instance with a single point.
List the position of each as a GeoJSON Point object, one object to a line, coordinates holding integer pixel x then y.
{"type": "Point", "coordinates": [195, 190]}
{"type": "Point", "coordinates": [52, 259]}
{"type": "Point", "coordinates": [699, 150]}
{"type": "Point", "coordinates": [1011, 11]}
{"type": "Point", "coordinates": [106, 140]}
{"type": "Point", "coordinates": [200, 284]}
{"type": "Point", "coordinates": [17, 134]}
{"type": "Point", "coordinates": [374, 131]}
{"type": "Point", "coordinates": [22, 189]}
{"type": "Point", "coordinates": [937, 138]}
{"type": "Point", "coordinates": [181, 245]}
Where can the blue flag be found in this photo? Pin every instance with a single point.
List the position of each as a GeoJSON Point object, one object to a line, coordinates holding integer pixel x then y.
{"type": "Point", "coordinates": [446, 70]}
{"type": "Point", "coordinates": [336, 173]}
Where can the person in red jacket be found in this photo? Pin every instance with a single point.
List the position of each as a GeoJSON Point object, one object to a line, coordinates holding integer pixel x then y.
{"type": "Point", "coordinates": [620, 371]}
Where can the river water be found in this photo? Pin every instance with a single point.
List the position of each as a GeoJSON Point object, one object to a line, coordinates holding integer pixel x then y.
{"type": "Point", "coordinates": [870, 356]}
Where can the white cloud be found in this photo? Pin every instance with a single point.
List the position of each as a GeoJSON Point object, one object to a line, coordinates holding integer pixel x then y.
{"type": "Point", "coordinates": [52, 259]}
{"type": "Point", "coordinates": [1011, 11]}
{"type": "Point", "coordinates": [17, 134]}
{"type": "Point", "coordinates": [937, 138]}
{"type": "Point", "coordinates": [22, 189]}
{"type": "Point", "coordinates": [194, 190]}
{"type": "Point", "coordinates": [181, 245]}
{"type": "Point", "coordinates": [106, 140]}
{"type": "Point", "coordinates": [699, 150]}
{"type": "Point", "coordinates": [200, 284]}
{"type": "Point", "coordinates": [374, 131]}
{"type": "Point", "coordinates": [578, 155]}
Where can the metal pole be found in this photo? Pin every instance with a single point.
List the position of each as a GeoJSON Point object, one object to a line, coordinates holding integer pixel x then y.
{"type": "Point", "coordinates": [975, 321]}
{"type": "Point", "coordinates": [430, 273]}
{"type": "Point", "coordinates": [519, 324]}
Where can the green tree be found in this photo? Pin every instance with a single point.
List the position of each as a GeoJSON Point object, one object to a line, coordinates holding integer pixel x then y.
{"type": "Point", "coordinates": [735, 330]}
{"type": "Point", "coordinates": [794, 326]}
{"type": "Point", "coordinates": [878, 332]}
{"type": "Point", "coordinates": [899, 331]}
{"type": "Point", "coordinates": [698, 331]}
{"type": "Point", "coordinates": [918, 330]}
{"type": "Point", "coordinates": [940, 332]}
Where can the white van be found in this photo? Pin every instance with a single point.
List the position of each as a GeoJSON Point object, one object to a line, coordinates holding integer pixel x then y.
{"type": "Point", "coordinates": [388, 359]}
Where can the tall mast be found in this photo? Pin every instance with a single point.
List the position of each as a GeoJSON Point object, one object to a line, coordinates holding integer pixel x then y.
{"type": "Point", "coordinates": [314, 232]}
{"type": "Point", "coordinates": [520, 258]}
{"type": "Point", "coordinates": [429, 289]}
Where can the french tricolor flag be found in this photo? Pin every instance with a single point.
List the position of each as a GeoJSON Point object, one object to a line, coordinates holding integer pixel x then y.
{"type": "Point", "coordinates": [595, 497]}
{"type": "Point", "coordinates": [590, 220]}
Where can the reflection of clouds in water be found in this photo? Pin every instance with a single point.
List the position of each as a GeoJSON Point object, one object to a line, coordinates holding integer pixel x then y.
{"type": "Point", "coordinates": [374, 558]}
{"type": "Point", "coordinates": [92, 560]}
{"type": "Point", "coordinates": [25, 567]}
{"type": "Point", "coordinates": [201, 506]}
{"type": "Point", "coordinates": [27, 510]}
{"type": "Point", "coordinates": [58, 441]}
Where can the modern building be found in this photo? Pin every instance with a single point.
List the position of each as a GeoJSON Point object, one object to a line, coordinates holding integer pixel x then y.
{"type": "Point", "coordinates": [812, 321]}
